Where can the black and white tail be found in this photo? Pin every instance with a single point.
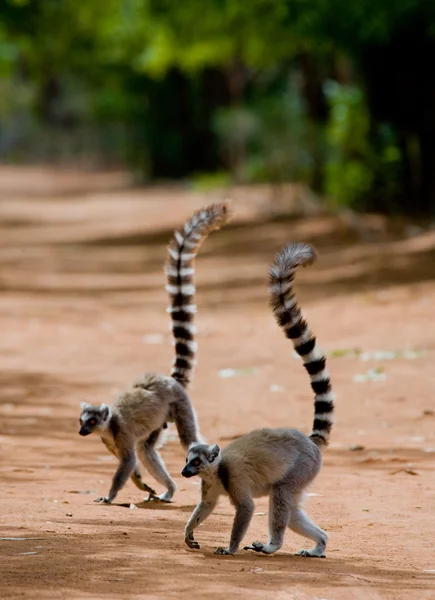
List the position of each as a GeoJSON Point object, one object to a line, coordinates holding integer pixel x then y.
{"type": "Point", "coordinates": [289, 317]}
{"type": "Point", "coordinates": [181, 288]}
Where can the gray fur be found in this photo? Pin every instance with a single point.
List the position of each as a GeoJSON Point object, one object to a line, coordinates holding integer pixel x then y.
{"type": "Point", "coordinates": [279, 463]}
{"type": "Point", "coordinates": [131, 429]}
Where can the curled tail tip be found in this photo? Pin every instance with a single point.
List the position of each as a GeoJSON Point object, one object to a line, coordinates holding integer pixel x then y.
{"type": "Point", "coordinates": [291, 256]}
{"type": "Point", "coordinates": [202, 222]}
{"type": "Point", "coordinates": [221, 212]}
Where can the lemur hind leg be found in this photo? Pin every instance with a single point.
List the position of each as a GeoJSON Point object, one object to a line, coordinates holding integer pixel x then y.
{"type": "Point", "coordinates": [136, 476]}
{"type": "Point", "coordinates": [153, 462]}
{"type": "Point", "coordinates": [279, 514]}
{"type": "Point", "coordinates": [301, 523]}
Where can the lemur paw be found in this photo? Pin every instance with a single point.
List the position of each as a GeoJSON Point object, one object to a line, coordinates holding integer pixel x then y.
{"type": "Point", "coordinates": [192, 544]}
{"type": "Point", "coordinates": [147, 488]}
{"type": "Point", "coordinates": [166, 497]}
{"type": "Point", "coordinates": [162, 498]}
{"type": "Point", "coordinates": [223, 551]}
{"type": "Point", "coordinates": [151, 496]}
{"type": "Point", "coordinates": [256, 546]}
{"type": "Point", "coordinates": [311, 553]}
{"type": "Point", "coordinates": [103, 500]}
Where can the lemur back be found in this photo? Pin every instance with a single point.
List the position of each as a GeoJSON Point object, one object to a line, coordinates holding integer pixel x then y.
{"type": "Point", "coordinates": [278, 462]}
{"type": "Point", "coordinates": [132, 427]}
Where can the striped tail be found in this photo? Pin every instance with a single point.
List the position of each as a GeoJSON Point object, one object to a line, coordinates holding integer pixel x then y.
{"type": "Point", "coordinates": [289, 317]}
{"type": "Point", "coordinates": [181, 288]}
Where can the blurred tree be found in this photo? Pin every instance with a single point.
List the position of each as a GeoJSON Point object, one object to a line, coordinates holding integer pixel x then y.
{"type": "Point", "coordinates": [179, 87]}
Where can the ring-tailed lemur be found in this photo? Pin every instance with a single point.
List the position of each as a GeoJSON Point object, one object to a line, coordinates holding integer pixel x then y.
{"type": "Point", "coordinates": [132, 426]}
{"type": "Point", "coordinates": [280, 463]}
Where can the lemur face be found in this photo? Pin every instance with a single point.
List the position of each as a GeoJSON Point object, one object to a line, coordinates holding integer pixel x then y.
{"type": "Point", "coordinates": [93, 418]}
{"type": "Point", "coordinates": [200, 459]}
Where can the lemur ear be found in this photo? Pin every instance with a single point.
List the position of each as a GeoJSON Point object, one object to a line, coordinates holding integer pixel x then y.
{"type": "Point", "coordinates": [104, 411]}
{"type": "Point", "coordinates": [85, 405]}
{"type": "Point", "coordinates": [214, 453]}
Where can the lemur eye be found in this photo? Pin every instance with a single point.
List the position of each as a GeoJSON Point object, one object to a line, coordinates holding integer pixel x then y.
{"type": "Point", "coordinates": [196, 462]}
{"type": "Point", "coordinates": [92, 421]}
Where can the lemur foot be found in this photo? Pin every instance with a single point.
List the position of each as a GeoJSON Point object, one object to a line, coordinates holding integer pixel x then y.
{"type": "Point", "coordinates": [223, 551]}
{"type": "Point", "coordinates": [256, 546]}
{"type": "Point", "coordinates": [260, 547]}
{"type": "Point", "coordinates": [162, 498]}
{"type": "Point", "coordinates": [103, 500]}
{"type": "Point", "coordinates": [191, 542]}
{"type": "Point", "coordinates": [314, 553]}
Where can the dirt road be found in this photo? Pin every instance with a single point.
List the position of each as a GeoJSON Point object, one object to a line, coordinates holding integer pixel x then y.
{"type": "Point", "coordinates": [82, 314]}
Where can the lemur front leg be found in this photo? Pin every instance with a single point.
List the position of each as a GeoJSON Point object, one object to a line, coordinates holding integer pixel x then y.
{"type": "Point", "coordinates": [244, 512]}
{"type": "Point", "coordinates": [126, 467]}
{"type": "Point", "coordinates": [202, 511]}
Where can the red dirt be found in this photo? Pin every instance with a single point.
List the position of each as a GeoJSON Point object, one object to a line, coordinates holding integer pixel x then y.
{"type": "Point", "coordinates": [82, 313]}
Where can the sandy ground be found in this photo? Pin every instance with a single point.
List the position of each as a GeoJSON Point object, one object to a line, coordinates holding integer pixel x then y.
{"type": "Point", "coordinates": [82, 313]}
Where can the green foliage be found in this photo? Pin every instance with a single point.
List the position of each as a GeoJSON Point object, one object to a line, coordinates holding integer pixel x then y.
{"type": "Point", "coordinates": [349, 173]}
{"type": "Point", "coordinates": [207, 182]}
{"type": "Point", "coordinates": [180, 88]}
{"type": "Point", "coordinates": [270, 139]}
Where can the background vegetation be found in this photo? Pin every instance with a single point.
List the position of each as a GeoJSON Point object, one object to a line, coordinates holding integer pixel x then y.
{"type": "Point", "coordinates": [337, 94]}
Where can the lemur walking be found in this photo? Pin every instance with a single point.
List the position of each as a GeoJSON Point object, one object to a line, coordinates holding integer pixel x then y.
{"type": "Point", "coordinates": [132, 426]}
{"type": "Point", "coordinates": [280, 463]}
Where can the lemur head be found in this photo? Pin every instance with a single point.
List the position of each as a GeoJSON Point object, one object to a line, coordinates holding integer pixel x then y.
{"type": "Point", "coordinates": [201, 460]}
{"type": "Point", "coordinates": [93, 418]}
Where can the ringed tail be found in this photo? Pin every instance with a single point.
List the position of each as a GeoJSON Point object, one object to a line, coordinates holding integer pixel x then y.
{"type": "Point", "coordinates": [181, 288]}
{"type": "Point", "coordinates": [289, 317]}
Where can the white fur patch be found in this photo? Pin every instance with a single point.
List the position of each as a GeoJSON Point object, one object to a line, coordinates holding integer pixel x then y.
{"type": "Point", "coordinates": [323, 374]}
{"type": "Point", "coordinates": [322, 434]}
{"type": "Point", "coordinates": [190, 327]}
{"type": "Point", "coordinates": [325, 417]}
{"type": "Point", "coordinates": [187, 256]}
{"type": "Point", "coordinates": [179, 237]}
{"type": "Point", "coordinates": [315, 354]}
{"type": "Point", "coordinates": [183, 272]}
{"type": "Point", "coordinates": [306, 335]}
{"type": "Point", "coordinates": [171, 270]}
{"type": "Point", "coordinates": [174, 252]}
{"type": "Point", "coordinates": [187, 308]}
{"type": "Point", "coordinates": [187, 289]}
{"type": "Point", "coordinates": [328, 397]}
{"type": "Point", "coordinates": [193, 346]}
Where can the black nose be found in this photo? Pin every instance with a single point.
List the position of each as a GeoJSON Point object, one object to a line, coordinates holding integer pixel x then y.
{"type": "Point", "coordinates": [84, 431]}
{"type": "Point", "coordinates": [186, 472]}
